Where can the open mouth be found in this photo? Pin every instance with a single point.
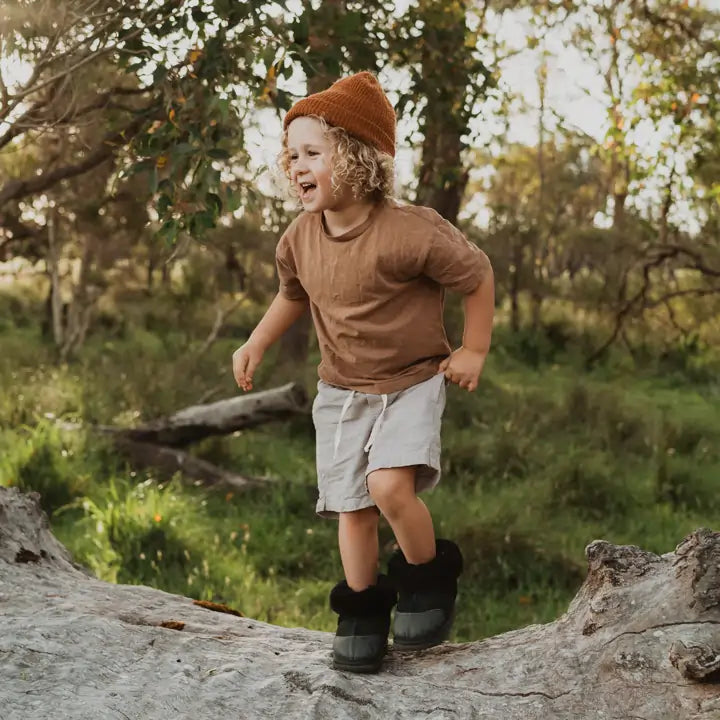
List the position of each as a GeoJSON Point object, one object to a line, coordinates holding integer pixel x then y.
{"type": "Point", "coordinates": [306, 190]}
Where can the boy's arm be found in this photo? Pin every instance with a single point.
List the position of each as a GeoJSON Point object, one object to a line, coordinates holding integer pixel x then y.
{"type": "Point", "coordinates": [479, 311]}
{"type": "Point", "coordinates": [278, 318]}
{"type": "Point", "coordinates": [464, 366]}
{"type": "Point", "coordinates": [281, 314]}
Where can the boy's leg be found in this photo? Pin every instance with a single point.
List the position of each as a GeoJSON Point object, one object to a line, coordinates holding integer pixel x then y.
{"type": "Point", "coordinates": [358, 541]}
{"type": "Point", "coordinates": [393, 490]}
{"type": "Point", "coordinates": [364, 600]}
{"type": "Point", "coordinates": [424, 570]}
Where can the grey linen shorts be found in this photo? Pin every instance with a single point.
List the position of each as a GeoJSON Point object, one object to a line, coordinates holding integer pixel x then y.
{"type": "Point", "coordinates": [357, 433]}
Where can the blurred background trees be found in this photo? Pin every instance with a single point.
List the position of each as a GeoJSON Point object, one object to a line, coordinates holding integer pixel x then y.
{"type": "Point", "coordinates": [133, 117]}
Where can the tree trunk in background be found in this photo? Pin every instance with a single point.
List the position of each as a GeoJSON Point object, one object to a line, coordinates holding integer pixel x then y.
{"type": "Point", "coordinates": [540, 236]}
{"type": "Point", "coordinates": [294, 344]}
{"type": "Point", "coordinates": [442, 178]}
{"type": "Point", "coordinates": [53, 268]}
{"type": "Point", "coordinates": [515, 284]}
{"type": "Point", "coordinates": [81, 304]}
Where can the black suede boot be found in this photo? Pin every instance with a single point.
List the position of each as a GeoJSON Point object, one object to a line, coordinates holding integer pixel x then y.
{"type": "Point", "coordinates": [363, 626]}
{"type": "Point", "coordinates": [426, 602]}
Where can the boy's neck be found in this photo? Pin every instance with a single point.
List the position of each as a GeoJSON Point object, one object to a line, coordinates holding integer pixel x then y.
{"type": "Point", "coordinates": [340, 221]}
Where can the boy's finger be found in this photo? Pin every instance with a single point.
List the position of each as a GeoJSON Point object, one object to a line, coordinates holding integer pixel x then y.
{"type": "Point", "coordinates": [240, 369]}
{"type": "Point", "coordinates": [250, 370]}
{"type": "Point", "coordinates": [443, 365]}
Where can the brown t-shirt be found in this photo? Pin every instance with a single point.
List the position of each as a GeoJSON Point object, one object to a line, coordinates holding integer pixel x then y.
{"type": "Point", "coordinates": [376, 293]}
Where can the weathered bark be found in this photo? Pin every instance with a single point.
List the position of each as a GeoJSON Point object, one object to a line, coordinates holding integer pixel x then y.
{"type": "Point", "coordinates": [641, 640]}
{"type": "Point", "coordinates": [219, 418]}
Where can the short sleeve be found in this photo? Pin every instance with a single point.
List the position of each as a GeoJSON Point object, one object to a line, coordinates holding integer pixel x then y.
{"type": "Point", "coordinates": [290, 285]}
{"type": "Point", "coordinates": [453, 261]}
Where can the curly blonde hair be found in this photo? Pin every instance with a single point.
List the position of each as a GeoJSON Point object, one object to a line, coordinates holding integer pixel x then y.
{"type": "Point", "coordinates": [368, 171]}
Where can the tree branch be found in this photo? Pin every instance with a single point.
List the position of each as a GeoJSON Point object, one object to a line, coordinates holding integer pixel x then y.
{"type": "Point", "coordinates": [33, 118]}
{"type": "Point", "coordinates": [47, 60]}
{"type": "Point", "coordinates": [220, 318]}
{"type": "Point", "coordinates": [16, 189]}
{"type": "Point", "coordinates": [638, 298]}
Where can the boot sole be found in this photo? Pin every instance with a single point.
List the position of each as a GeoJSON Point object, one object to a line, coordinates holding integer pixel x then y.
{"type": "Point", "coordinates": [438, 637]}
{"type": "Point", "coordinates": [365, 668]}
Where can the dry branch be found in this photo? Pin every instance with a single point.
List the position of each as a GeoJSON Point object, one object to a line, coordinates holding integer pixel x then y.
{"type": "Point", "coordinates": [156, 444]}
{"type": "Point", "coordinates": [221, 418]}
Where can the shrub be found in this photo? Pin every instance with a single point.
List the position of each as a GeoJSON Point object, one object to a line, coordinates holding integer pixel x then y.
{"type": "Point", "coordinates": [133, 531]}
{"type": "Point", "coordinates": [47, 461]}
{"type": "Point", "coordinates": [687, 483]}
{"type": "Point", "coordinates": [500, 561]}
{"type": "Point", "coordinates": [589, 484]}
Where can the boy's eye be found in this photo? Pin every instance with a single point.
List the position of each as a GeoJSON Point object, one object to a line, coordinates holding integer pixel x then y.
{"type": "Point", "coordinates": [312, 152]}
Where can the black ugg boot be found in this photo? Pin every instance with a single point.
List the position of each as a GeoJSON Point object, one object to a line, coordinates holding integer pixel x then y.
{"type": "Point", "coordinates": [363, 626]}
{"type": "Point", "coordinates": [426, 602]}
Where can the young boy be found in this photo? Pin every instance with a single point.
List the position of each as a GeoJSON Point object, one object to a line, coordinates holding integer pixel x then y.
{"type": "Point", "coordinates": [374, 273]}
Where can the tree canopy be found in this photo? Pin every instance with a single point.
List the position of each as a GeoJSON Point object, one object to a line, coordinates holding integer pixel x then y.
{"type": "Point", "coordinates": [124, 134]}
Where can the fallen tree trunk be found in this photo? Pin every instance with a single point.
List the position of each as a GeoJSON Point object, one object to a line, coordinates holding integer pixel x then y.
{"type": "Point", "coordinates": [220, 418]}
{"type": "Point", "coordinates": [168, 461]}
{"type": "Point", "coordinates": [640, 641]}
{"type": "Point", "coordinates": [156, 443]}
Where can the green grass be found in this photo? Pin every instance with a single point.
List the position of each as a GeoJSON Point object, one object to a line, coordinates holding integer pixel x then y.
{"type": "Point", "coordinates": [543, 459]}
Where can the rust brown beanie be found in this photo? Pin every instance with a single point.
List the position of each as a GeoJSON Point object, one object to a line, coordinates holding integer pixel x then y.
{"type": "Point", "coordinates": [357, 104]}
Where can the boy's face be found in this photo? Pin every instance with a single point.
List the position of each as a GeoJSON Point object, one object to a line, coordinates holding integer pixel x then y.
{"type": "Point", "coordinates": [311, 156]}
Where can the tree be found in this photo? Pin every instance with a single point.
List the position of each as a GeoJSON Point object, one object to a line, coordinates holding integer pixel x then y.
{"type": "Point", "coordinates": [661, 67]}
{"type": "Point", "coordinates": [435, 35]}
{"type": "Point", "coordinates": [538, 238]}
{"type": "Point", "coordinates": [173, 114]}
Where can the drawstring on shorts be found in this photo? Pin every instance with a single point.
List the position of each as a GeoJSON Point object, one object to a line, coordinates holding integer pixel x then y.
{"type": "Point", "coordinates": [338, 429]}
{"type": "Point", "coordinates": [375, 427]}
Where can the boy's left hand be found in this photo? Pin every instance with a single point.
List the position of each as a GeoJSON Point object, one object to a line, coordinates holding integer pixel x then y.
{"type": "Point", "coordinates": [463, 367]}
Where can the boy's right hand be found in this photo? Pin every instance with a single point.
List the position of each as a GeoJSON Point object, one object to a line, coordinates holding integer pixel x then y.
{"type": "Point", "coordinates": [245, 360]}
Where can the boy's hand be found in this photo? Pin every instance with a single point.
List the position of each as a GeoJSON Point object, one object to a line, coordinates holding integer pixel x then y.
{"type": "Point", "coordinates": [245, 360]}
{"type": "Point", "coordinates": [463, 367]}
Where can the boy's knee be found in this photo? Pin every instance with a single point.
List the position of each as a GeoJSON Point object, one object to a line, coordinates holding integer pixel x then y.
{"type": "Point", "coordinates": [392, 490]}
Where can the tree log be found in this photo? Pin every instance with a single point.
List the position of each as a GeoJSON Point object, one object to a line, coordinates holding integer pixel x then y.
{"type": "Point", "coordinates": [219, 418]}
{"type": "Point", "coordinates": [641, 640]}
{"type": "Point", "coordinates": [168, 461]}
{"type": "Point", "coordinates": [156, 444]}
